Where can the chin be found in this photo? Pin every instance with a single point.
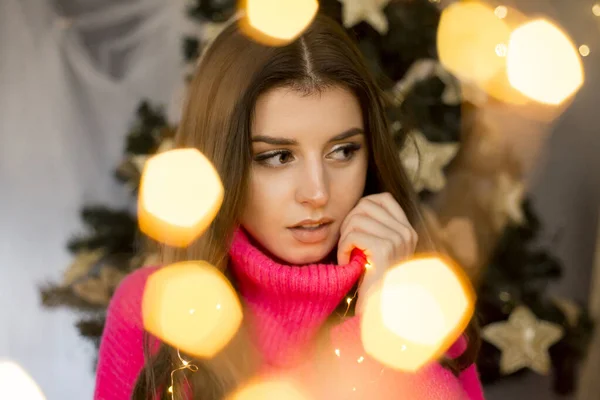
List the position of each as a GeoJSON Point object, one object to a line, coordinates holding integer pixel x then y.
{"type": "Point", "coordinates": [307, 254]}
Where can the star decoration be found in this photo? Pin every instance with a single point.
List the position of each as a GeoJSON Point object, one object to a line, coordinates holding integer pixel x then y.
{"type": "Point", "coordinates": [81, 266]}
{"type": "Point", "coordinates": [426, 68]}
{"type": "Point", "coordinates": [210, 30]}
{"type": "Point", "coordinates": [507, 201]}
{"type": "Point", "coordinates": [425, 161]}
{"type": "Point", "coordinates": [569, 308]}
{"type": "Point", "coordinates": [98, 290]}
{"type": "Point", "coordinates": [524, 341]}
{"type": "Point", "coordinates": [370, 11]}
{"type": "Point", "coordinates": [140, 160]}
{"type": "Point", "coordinates": [458, 235]}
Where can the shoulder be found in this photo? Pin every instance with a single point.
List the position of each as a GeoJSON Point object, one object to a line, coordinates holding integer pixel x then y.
{"type": "Point", "coordinates": [126, 302]}
{"type": "Point", "coordinates": [121, 353]}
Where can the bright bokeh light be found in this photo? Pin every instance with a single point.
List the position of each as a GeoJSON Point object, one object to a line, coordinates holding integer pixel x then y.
{"type": "Point", "coordinates": [596, 10]}
{"type": "Point", "coordinates": [422, 308]}
{"type": "Point", "coordinates": [468, 36]}
{"type": "Point", "coordinates": [269, 390]}
{"type": "Point", "coordinates": [15, 383]}
{"type": "Point", "coordinates": [498, 86]}
{"type": "Point", "coordinates": [180, 194]}
{"type": "Point", "coordinates": [501, 11]}
{"type": "Point", "coordinates": [187, 297]}
{"type": "Point", "coordinates": [584, 50]}
{"type": "Point", "coordinates": [277, 22]}
{"type": "Point", "coordinates": [543, 63]}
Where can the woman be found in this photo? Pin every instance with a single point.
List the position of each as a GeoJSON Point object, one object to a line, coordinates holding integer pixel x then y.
{"type": "Point", "coordinates": [299, 137]}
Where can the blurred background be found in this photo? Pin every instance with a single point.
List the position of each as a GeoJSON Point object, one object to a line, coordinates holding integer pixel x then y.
{"type": "Point", "coordinates": [498, 98]}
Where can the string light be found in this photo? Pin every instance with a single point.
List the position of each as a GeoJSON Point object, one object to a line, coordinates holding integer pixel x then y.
{"type": "Point", "coordinates": [185, 365]}
{"type": "Point", "coordinates": [501, 50]}
{"type": "Point", "coordinates": [501, 12]}
{"type": "Point", "coordinates": [360, 359]}
{"type": "Point", "coordinates": [596, 10]}
{"type": "Point", "coordinates": [337, 352]}
{"type": "Point", "coordinates": [584, 50]}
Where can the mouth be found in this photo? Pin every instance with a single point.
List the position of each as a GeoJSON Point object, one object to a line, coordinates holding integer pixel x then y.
{"type": "Point", "coordinates": [312, 224]}
{"type": "Point", "coordinates": [310, 231]}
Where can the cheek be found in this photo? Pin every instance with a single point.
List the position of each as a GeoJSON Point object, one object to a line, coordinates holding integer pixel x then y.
{"type": "Point", "coordinates": [348, 185]}
{"type": "Point", "coordinates": [267, 196]}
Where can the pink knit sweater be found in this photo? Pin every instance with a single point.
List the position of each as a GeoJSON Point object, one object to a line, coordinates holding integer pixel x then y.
{"type": "Point", "coordinates": [286, 307]}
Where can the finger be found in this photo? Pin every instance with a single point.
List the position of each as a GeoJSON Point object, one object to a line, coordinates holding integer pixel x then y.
{"type": "Point", "coordinates": [366, 224]}
{"type": "Point", "coordinates": [373, 210]}
{"type": "Point", "coordinates": [401, 237]}
{"type": "Point", "coordinates": [360, 240]}
{"type": "Point", "coordinates": [387, 201]}
{"type": "Point", "coordinates": [404, 237]}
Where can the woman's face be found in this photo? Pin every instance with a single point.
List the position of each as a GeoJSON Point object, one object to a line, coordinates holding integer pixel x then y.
{"type": "Point", "coordinates": [308, 171]}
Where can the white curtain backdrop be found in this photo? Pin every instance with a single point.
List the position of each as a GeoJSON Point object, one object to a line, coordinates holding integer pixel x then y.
{"type": "Point", "coordinates": [72, 73]}
{"type": "Point", "coordinates": [71, 76]}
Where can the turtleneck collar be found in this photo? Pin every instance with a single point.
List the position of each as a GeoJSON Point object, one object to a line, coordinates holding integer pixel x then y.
{"type": "Point", "coordinates": [287, 305]}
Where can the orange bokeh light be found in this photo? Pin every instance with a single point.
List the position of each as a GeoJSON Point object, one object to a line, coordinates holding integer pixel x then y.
{"type": "Point", "coordinates": [277, 22]}
{"type": "Point", "coordinates": [180, 194]}
{"type": "Point", "coordinates": [421, 309]}
{"type": "Point", "coordinates": [191, 296]}
{"type": "Point", "coordinates": [269, 390]}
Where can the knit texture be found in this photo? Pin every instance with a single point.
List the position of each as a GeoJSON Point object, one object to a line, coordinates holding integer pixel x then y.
{"type": "Point", "coordinates": [288, 304]}
{"type": "Point", "coordinates": [286, 307]}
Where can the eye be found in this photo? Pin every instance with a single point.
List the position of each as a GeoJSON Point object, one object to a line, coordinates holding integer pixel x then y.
{"type": "Point", "coordinates": [344, 152]}
{"type": "Point", "coordinates": [274, 158]}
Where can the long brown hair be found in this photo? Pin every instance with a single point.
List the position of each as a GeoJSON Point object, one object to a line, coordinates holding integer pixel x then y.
{"type": "Point", "coordinates": [233, 72]}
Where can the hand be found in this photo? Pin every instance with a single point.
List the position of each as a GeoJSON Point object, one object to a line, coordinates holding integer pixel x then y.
{"type": "Point", "coordinates": [378, 226]}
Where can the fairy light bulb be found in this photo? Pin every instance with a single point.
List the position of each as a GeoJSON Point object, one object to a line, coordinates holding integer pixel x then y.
{"type": "Point", "coordinates": [173, 291]}
{"type": "Point", "coordinates": [543, 63]}
{"type": "Point", "coordinates": [180, 194]}
{"type": "Point", "coordinates": [501, 12]}
{"type": "Point", "coordinates": [421, 309]}
{"type": "Point", "coordinates": [467, 39]}
{"type": "Point", "coordinates": [277, 22]}
{"type": "Point", "coordinates": [15, 383]}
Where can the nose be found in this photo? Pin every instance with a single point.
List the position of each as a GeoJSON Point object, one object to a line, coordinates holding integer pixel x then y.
{"type": "Point", "coordinates": [313, 185]}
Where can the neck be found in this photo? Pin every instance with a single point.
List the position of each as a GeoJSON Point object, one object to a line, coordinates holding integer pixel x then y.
{"type": "Point", "coordinates": [287, 305]}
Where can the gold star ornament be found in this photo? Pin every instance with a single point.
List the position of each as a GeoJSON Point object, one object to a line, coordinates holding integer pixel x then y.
{"type": "Point", "coordinates": [425, 161]}
{"type": "Point", "coordinates": [458, 235]}
{"type": "Point", "coordinates": [370, 11]}
{"type": "Point", "coordinates": [569, 308]}
{"type": "Point", "coordinates": [507, 201]}
{"type": "Point", "coordinates": [524, 341]}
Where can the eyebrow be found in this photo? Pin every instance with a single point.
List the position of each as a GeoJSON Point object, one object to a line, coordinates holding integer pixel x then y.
{"type": "Point", "coordinates": [275, 141]}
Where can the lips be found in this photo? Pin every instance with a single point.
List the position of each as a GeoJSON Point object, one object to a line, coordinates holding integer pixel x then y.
{"type": "Point", "coordinates": [312, 232]}
{"type": "Point", "coordinates": [311, 223]}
